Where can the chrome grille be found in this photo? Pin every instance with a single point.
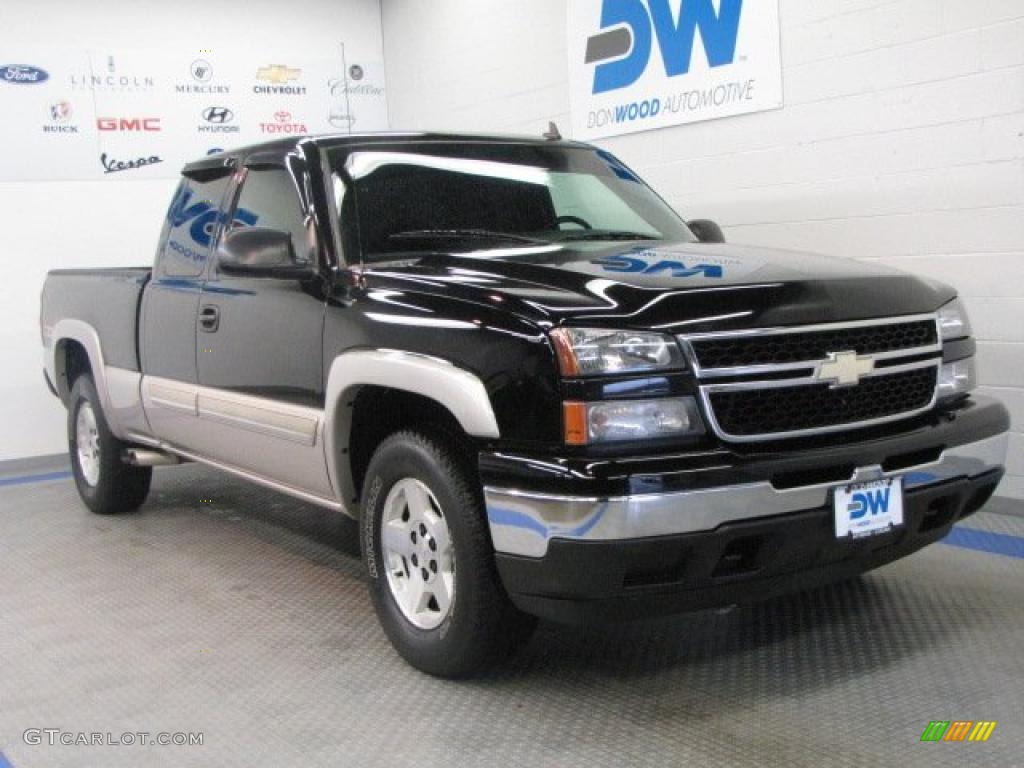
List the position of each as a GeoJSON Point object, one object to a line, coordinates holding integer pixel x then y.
{"type": "Point", "coordinates": [770, 384]}
{"type": "Point", "coordinates": [794, 347]}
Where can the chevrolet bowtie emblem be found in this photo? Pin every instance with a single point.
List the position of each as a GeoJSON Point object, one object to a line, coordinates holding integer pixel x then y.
{"type": "Point", "coordinates": [844, 369]}
{"type": "Point", "coordinates": [277, 73]}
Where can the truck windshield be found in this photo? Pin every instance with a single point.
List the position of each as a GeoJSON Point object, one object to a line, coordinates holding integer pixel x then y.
{"type": "Point", "coordinates": [479, 196]}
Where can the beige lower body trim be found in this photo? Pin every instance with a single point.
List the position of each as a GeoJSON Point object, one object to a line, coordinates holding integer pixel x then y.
{"type": "Point", "coordinates": [253, 436]}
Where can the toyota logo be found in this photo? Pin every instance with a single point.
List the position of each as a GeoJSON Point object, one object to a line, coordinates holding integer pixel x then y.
{"type": "Point", "coordinates": [218, 115]}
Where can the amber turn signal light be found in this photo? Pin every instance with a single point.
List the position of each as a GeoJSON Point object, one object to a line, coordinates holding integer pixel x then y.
{"type": "Point", "coordinates": [574, 415]}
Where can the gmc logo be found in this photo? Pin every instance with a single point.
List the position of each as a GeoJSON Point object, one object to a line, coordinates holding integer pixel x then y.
{"type": "Point", "coordinates": [128, 123]}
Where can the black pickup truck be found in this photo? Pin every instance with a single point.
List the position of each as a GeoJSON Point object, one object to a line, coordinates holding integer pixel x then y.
{"type": "Point", "coordinates": [538, 389]}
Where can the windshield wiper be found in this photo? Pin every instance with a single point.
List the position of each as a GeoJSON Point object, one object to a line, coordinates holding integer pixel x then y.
{"type": "Point", "coordinates": [477, 234]}
{"type": "Point", "coordinates": [605, 234]}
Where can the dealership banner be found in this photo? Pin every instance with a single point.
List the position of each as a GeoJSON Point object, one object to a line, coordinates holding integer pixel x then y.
{"type": "Point", "coordinates": [145, 113]}
{"type": "Point", "coordinates": [635, 65]}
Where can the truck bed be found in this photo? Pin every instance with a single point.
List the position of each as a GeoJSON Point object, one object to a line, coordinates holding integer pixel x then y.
{"type": "Point", "coordinates": [106, 299]}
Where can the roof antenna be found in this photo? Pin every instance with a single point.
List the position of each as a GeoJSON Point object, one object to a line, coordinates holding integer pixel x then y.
{"type": "Point", "coordinates": [552, 133]}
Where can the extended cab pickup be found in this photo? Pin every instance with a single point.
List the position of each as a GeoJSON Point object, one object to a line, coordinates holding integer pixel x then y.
{"type": "Point", "coordinates": [538, 389]}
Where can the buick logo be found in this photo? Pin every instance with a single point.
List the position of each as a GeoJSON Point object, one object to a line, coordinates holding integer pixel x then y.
{"type": "Point", "coordinates": [218, 115]}
{"type": "Point", "coordinates": [356, 72]}
{"type": "Point", "coordinates": [22, 74]}
{"type": "Point", "coordinates": [202, 70]}
{"type": "Point", "coordinates": [61, 111]}
{"type": "Point", "coordinates": [844, 369]}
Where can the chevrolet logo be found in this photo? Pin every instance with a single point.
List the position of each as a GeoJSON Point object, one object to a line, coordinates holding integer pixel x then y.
{"type": "Point", "coordinates": [844, 369]}
{"type": "Point", "coordinates": [277, 73]}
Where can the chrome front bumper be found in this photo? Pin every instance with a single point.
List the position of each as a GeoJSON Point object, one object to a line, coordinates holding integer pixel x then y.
{"type": "Point", "coordinates": [522, 523]}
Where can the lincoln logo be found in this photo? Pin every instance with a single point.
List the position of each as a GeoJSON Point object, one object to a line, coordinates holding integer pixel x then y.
{"type": "Point", "coordinates": [845, 369]}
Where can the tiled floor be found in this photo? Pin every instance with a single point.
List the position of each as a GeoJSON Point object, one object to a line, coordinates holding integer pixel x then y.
{"type": "Point", "coordinates": [225, 609]}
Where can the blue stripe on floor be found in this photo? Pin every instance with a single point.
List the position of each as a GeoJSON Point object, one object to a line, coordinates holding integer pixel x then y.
{"type": "Point", "coordinates": [986, 541]}
{"type": "Point", "coordinates": [3, 762]}
{"type": "Point", "coordinates": [27, 479]}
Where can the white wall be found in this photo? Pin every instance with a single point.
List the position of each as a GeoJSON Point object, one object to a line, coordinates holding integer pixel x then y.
{"type": "Point", "coordinates": [902, 138]}
{"type": "Point", "coordinates": [48, 225]}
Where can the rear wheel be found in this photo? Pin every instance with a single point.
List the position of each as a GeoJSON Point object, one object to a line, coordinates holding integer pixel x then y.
{"type": "Point", "coordinates": [106, 484]}
{"type": "Point", "coordinates": [430, 561]}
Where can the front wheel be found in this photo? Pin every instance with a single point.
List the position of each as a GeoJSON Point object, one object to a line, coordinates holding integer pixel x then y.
{"type": "Point", "coordinates": [106, 484]}
{"type": "Point", "coordinates": [430, 562]}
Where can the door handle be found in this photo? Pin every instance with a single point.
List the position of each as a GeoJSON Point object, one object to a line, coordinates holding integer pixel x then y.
{"type": "Point", "coordinates": [209, 318]}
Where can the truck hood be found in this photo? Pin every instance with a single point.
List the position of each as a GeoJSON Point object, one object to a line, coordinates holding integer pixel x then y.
{"type": "Point", "coordinates": [681, 287]}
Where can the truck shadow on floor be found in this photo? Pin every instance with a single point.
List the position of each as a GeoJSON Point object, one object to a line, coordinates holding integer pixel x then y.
{"type": "Point", "coordinates": [807, 640]}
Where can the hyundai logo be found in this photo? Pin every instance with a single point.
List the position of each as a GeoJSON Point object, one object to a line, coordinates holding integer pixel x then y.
{"type": "Point", "coordinates": [218, 115]}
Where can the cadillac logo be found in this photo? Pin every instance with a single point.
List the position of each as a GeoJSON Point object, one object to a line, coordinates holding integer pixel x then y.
{"type": "Point", "coordinates": [844, 369]}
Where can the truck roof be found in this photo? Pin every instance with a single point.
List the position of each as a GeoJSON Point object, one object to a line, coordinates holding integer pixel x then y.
{"type": "Point", "coordinates": [328, 140]}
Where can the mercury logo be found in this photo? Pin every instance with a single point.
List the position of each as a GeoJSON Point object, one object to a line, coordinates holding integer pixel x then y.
{"type": "Point", "coordinates": [202, 70]}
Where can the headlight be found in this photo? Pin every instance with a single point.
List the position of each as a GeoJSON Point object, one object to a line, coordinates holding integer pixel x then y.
{"type": "Point", "coordinates": [603, 422]}
{"type": "Point", "coordinates": [953, 322]}
{"type": "Point", "coordinates": [957, 378]}
{"type": "Point", "coordinates": [592, 351]}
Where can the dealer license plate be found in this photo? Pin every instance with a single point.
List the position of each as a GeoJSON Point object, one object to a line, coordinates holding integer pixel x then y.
{"type": "Point", "coordinates": [863, 509]}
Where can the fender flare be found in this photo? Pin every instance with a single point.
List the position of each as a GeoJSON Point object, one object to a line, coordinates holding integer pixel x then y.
{"type": "Point", "coordinates": [69, 329]}
{"type": "Point", "coordinates": [462, 393]}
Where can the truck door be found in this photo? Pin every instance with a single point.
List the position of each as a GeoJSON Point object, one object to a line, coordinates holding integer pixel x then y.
{"type": "Point", "coordinates": [259, 346]}
{"type": "Point", "coordinates": [167, 321]}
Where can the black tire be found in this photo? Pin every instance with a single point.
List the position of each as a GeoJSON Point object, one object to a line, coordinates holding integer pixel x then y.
{"type": "Point", "coordinates": [119, 487]}
{"type": "Point", "coordinates": [481, 626]}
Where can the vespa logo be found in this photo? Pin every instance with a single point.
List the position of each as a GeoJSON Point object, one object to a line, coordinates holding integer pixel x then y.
{"type": "Point", "coordinates": [623, 52]}
{"type": "Point", "coordinates": [21, 74]}
{"type": "Point", "coordinates": [875, 502]}
{"type": "Point", "coordinates": [218, 115]}
{"type": "Point", "coordinates": [845, 369]}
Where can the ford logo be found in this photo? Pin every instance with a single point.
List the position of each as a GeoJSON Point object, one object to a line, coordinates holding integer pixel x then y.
{"type": "Point", "coordinates": [21, 74]}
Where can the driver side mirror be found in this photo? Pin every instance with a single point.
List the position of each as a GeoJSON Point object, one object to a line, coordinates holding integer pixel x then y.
{"type": "Point", "coordinates": [706, 231]}
{"type": "Point", "coordinates": [260, 252]}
